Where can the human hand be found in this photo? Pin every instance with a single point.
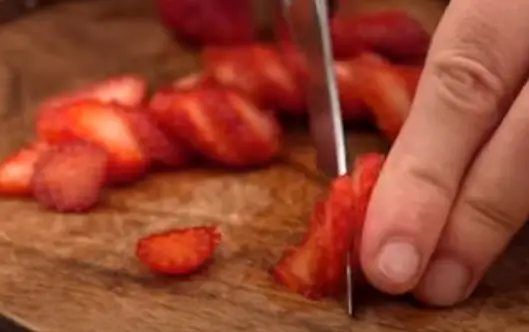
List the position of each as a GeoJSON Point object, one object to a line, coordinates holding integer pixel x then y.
{"type": "Point", "coordinates": [455, 189]}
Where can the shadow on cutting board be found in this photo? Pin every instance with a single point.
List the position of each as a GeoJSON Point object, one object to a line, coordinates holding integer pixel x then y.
{"type": "Point", "coordinates": [8, 325]}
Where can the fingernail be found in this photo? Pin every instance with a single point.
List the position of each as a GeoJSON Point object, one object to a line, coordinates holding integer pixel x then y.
{"type": "Point", "coordinates": [398, 262]}
{"type": "Point", "coordinates": [446, 282]}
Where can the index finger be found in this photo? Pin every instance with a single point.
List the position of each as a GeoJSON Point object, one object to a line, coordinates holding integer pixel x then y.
{"type": "Point", "coordinates": [477, 60]}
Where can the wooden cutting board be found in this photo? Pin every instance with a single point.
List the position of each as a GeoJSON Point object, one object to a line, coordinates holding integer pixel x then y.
{"type": "Point", "coordinates": [77, 273]}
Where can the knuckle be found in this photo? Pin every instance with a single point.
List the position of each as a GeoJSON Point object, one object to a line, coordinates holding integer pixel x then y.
{"type": "Point", "coordinates": [467, 85]}
{"type": "Point", "coordinates": [434, 182]}
{"type": "Point", "coordinates": [492, 216]}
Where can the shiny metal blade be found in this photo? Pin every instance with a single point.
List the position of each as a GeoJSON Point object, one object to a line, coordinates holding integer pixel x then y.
{"type": "Point", "coordinates": [308, 20]}
{"type": "Point", "coordinates": [309, 23]}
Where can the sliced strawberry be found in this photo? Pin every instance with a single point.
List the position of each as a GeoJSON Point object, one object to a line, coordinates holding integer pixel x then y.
{"type": "Point", "coordinates": [221, 124]}
{"type": "Point", "coordinates": [296, 62]}
{"type": "Point", "coordinates": [193, 80]}
{"type": "Point", "coordinates": [385, 91]}
{"type": "Point", "coordinates": [353, 108]}
{"type": "Point", "coordinates": [69, 177]}
{"type": "Point", "coordinates": [366, 171]}
{"type": "Point", "coordinates": [410, 74]}
{"type": "Point", "coordinates": [160, 148]}
{"type": "Point", "coordinates": [219, 22]}
{"type": "Point", "coordinates": [52, 124]}
{"type": "Point", "coordinates": [16, 171]}
{"type": "Point", "coordinates": [316, 267]}
{"type": "Point", "coordinates": [108, 126]}
{"type": "Point", "coordinates": [178, 252]}
{"type": "Point", "coordinates": [129, 90]}
{"type": "Point", "coordinates": [259, 71]}
{"type": "Point", "coordinates": [126, 90]}
{"type": "Point", "coordinates": [393, 34]}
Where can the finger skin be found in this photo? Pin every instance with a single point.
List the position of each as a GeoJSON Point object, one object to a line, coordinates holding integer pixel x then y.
{"type": "Point", "coordinates": [476, 63]}
{"type": "Point", "coordinates": [492, 206]}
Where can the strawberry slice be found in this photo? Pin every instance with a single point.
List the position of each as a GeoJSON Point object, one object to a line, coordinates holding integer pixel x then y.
{"type": "Point", "coordinates": [385, 90]}
{"type": "Point", "coordinates": [52, 124]}
{"type": "Point", "coordinates": [128, 90]}
{"type": "Point", "coordinates": [296, 62]}
{"type": "Point", "coordinates": [315, 267]}
{"type": "Point", "coordinates": [353, 108]}
{"type": "Point", "coordinates": [411, 75]}
{"type": "Point", "coordinates": [259, 71]}
{"type": "Point", "coordinates": [160, 148]}
{"type": "Point", "coordinates": [393, 34]}
{"type": "Point", "coordinates": [367, 169]}
{"type": "Point", "coordinates": [221, 124]}
{"type": "Point", "coordinates": [69, 177]}
{"type": "Point", "coordinates": [108, 126]}
{"type": "Point", "coordinates": [17, 170]}
{"type": "Point", "coordinates": [180, 251]}
{"type": "Point", "coordinates": [193, 80]}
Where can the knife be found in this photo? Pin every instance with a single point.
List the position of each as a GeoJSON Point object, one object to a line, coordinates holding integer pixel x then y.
{"type": "Point", "coordinates": [13, 9]}
{"type": "Point", "coordinates": [309, 24]}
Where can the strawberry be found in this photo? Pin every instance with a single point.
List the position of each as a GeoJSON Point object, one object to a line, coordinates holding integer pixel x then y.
{"type": "Point", "coordinates": [385, 90]}
{"type": "Point", "coordinates": [393, 34]}
{"type": "Point", "coordinates": [411, 75]}
{"type": "Point", "coordinates": [192, 81]}
{"type": "Point", "coordinates": [69, 177]}
{"type": "Point", "coordinates": [108, 126]}
{"type": "Point", "coordinates": [366, 171]}
{"type": "Point", "coordinates": [353, 109]}
{"type": "Point", "coordinates": [315, 267]}
{"type": "Point", "coordinates": [259, 71]}
{"type": "Point", "coordinates": [17, 170]}
{"type": "Point", "coordinates": [180, 251]}
{"type": "Point", "coordinates": [215, 22]}
{"type": "Point", "coordinates": [128, 90]}
{"type": "Point", "coordinates": [295, 61]}
{"type": "Point", "coordinates": [52, 124]}
{"type": "Point", "coordinates": [221, 124]}
{"type": "Point", "coordinates": [352, 106]}
{"type": "Point", "coordinates": [160, 148]}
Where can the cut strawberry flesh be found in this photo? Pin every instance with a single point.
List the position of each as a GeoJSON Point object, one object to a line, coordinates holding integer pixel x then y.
{"type": "Point", "coordinates": [17, 170]}
{"type": "Point", "coordinates": [69, 177]}
{"type": "Point", "coordinates": [316, 267]}
{"type": "Point", "coordinates": [107, 126]}
{"type": "Point", "coordinates": [178, 252]}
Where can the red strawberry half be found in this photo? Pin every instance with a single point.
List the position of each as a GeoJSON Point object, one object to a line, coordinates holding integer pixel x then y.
{"type": "Point", "coordinates": [180, 251]}
{"type": "Point", "coordinates": [106, 125]}
{"type": "Point", "coordinates": [17, 170]}
{"type": "Point", "coordinates": [69, 177]}
{"type": "Point", "coordinates": [161, 148]}
{"type": "Point", "coordinates": [259, 71]}
{"type": "Point", "coordinates": [315, 267]}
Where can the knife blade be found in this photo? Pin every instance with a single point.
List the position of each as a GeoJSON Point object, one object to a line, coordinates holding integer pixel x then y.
{"type": "Point", "coordinates": [309, 23]}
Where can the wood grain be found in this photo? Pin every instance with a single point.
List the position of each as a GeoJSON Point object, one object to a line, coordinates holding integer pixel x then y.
{"type": "Point", "coordinates": [65, 273]}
